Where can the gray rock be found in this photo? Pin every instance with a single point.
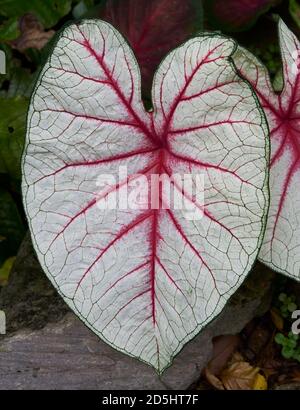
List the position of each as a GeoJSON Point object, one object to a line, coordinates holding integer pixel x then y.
{"type": "Point", "coordinates": [29, 300]}
{"type": "Point", "coordinates": [67, 355]}
{"type": "Point", "coordinates": [48, 347]}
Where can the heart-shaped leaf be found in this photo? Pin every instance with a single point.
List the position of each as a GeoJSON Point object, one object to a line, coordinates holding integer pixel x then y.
{"type": "Point", "coordinates": [153, 28]}
{"type": "Point", "coordinates": [236, 15]}
{"type": "Point", "coordinates": [145, 280]}
{"type": "Point", "coordinates": [281, 247]}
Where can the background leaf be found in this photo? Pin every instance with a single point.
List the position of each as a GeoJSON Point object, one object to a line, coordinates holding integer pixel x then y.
{"type": "Point", "coordinates": [282, 237]}
{"type": "Point", "coordinates": [9, 29]}
{"type": "Point", "coordinates": [5, 270]}
{"type": "Point", "coordinates": [153, 28]}
{"type": "Point", "coordinates": [20, 84]}
{"type": "Point", "coordinates": [49, 12]}
{"type": "Point", "coordinates": [11, 226]}
{"type": "Point", "coordinates": [236, 15]}
{"type": "Point", "coordinates": [32, 34]}
{"type": "Point", "coordinates": [12, 134]}
{"type": "Point", "coordinates": [295, 11]}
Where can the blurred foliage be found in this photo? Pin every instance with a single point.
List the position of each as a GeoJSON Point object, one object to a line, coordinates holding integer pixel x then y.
{"type": "Point", "coordinates": [270, 56]}
{"type": "Point", "coordinates": [11, 226]}
{"type": "Point", "coordinates": [5, 270]}
{"type": "Point", "coordinates": [287, 304]}
{"type": "Point", "coordinates": [9, 29]}
{"type": "Point", "coordinates": [49, 12]}
{"type": "Point", "coordinates": [290, 348]}
{"type": "Point", "coordinates": [281, 313]}
{"type": "Point", "coordinates": [12, 130]}
{"type": "Point", "coordinates": [295, 11]}
{"type": "Point", "coordinates": [236, 15]}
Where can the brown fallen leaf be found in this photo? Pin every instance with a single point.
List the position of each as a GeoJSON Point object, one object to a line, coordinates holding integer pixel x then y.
{"type": "Point", "coordinates": [213, 380]}
{"type": "Point", "coordinates": [256, 340]}
{"type": "Point", "coordinates": [32, 35]}
{"type": "Point", "coordinates": [289, 375]}
{"type": "Point", "coordinates": [277, 319]}
{"type": "Point", "coordinates": [240, 375]}
{"type": "Point", "coordinates": [237, 375]}
{"type": "Point", "coordinates": [223, 348]}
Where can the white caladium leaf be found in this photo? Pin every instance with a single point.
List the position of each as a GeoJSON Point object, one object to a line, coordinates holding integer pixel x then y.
{"type": "Point", "coordinates": [145, 280]}
{"type": "Point", "coordinates": [281, 245]}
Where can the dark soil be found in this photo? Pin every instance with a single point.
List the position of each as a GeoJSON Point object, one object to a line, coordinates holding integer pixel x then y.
{"type": "Point", "coordinates": [29, 299]}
